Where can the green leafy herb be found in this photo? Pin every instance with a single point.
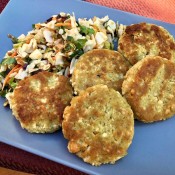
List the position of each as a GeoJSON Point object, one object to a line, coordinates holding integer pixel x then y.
{"type": "Point", "coordinates": [57, 68]}
{"type": "Point", "coordinates": [80, 43]}
{"type": "Point", "coordinates": [112, 46]}
{"type": "Point", "coordinates": [13, 38]}
{"type": "Point", "coordinates": [3, 74]}
{"type": "Point", "coordinates": [12, 83]}
{"type": "Point", "coordinates": [33, 26]}
{"type": "Point", "coordinates": [68, 16]}
{"type": "Point", "coordinates": [86, 30]}
{"type": "Point", "coordinates": [77, 53]}
{"type": "Point", "coordinates": [107, 45]}
{"type": "Point", "coordinates": [70, 38]}
{"type": "Point", "coordinates": [28, 59]}
{"type": "Point", "coordinates": [42, 41]}
{"type": "Point", "coordinates": [3, 92]}
{"type": "Point", "coordinates": [74, 45]}
{"type": "Point", "coordinates": [8, 61]}
{"type": "Point", "coordinates": [49, 49]}
{"type": "Point", "coordinates": [69, 47]}
{"type": "Point", "coordinates": [18, 44]}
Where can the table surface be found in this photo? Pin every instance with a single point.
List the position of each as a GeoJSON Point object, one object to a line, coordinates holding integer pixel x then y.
{"type": "Point", "coordinates": [6, 171]}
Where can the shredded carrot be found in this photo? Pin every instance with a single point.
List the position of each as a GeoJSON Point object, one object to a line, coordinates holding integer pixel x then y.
{"type": "Point", "coordinates": [20, 61]}
{"type": "Point", "coordinates": [7, 78]}
{"type": "Point", "coordinates": [54, 18]}
{"type": "Point", "coordinates": [14, 54]}
{"type": "Point", "coordinates": [50, 29]}
{"type": "Point", "coordinates": [27, 41]}
{"type": "Point", "coordinates": [38, 26]}
{"type": "Point", "coordinates": [63, 24]}
{"type": "Point", "coordinates": [96, 28]}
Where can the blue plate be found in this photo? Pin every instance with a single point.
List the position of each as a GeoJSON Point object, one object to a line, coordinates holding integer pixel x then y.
{"type": "Point", "coordinates": [152, 151]}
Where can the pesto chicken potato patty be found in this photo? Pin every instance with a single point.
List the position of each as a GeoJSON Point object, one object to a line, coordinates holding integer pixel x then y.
{"type": "Point", "coordinates": [99, 66]}
{"type": "Point", "coordinates": [99, 125]}
{"type": "Point", "coordinates": [149, 88]}
{"type": "Point", "coordinates": [144, 39]}
{"type": "Point", "coordinates": [38, 101]}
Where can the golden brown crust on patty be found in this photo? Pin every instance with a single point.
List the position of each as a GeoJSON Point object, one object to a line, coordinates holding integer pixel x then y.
{"type": "Point", "coordinates": [100, 66]}
{"type": "Point", "coordinates": [99, 125]}
{"type": "Point", "coordinates": [38, 101]}
{"type": "Point", "coordinates": [149, 88]}
{"type": "Point", "coordinates": [144, 39]}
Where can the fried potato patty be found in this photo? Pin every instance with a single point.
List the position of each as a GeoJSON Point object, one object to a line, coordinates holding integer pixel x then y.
{"type": "Point", "coordinates": [149, 88]}
{"type": "Point", "coordinates": [38, 101]}
{"type": "Point", "coordinates": [144, 39]}
{"type": "Point", "coordinates": [99, 125]}
{"type": "Point", "coordinates": [99, 66]}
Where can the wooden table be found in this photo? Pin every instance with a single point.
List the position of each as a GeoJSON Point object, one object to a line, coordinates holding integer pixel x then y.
{"type": "Point", "coordinates": [5, 171]}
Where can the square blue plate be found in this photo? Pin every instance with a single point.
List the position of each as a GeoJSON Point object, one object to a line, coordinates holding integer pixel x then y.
{"type": "Point", "coordinates": [152, 151]}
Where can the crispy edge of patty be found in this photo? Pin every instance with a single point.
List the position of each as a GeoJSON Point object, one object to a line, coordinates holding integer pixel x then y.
{"type": "Point", "coordinates": [38, 101]}
{"type": "Point", "coordinates": [99, 125]}
{"type": "Point", "coordinates": [149, 88]}
{"type": "Point", "coordinates": [144, 39]}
